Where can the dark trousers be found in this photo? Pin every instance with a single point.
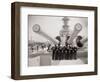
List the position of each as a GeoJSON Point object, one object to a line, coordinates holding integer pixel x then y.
{"type": "Point", "coordinates": [75, 55]}
{"type": "Point", "coordinates": [53, 55]}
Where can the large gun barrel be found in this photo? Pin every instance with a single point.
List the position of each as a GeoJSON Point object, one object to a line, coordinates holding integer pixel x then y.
{"type": "Point", "coordinates": [77, 29]}
{"type": "Point", "coordinates": [36, 29]}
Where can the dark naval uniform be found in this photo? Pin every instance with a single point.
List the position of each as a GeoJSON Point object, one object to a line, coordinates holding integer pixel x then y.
{"type": "Point", "coordinates": [75, 52]}
{"type": "Point", "coordinates": [53, 53]}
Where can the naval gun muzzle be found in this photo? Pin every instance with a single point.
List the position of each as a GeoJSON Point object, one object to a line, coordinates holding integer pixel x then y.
{"type": "Point", "coordinates": [37, 29]}
{"type": "Point", "coordinates": [77, 29]}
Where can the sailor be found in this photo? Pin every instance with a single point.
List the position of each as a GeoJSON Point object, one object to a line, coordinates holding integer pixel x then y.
{"type": "Point", "coordinates": [75, 52]}
{"type": "Point", "coordinates": [56, 52]}
{"type": "Point", "coordinates": [53, 53]}
{"type": "Point", "coordinates": [59, 52]}
{"type": "Point", "coordinates": [63, 53]}
{"type": "Point", "coordinates": [70, 52]}
{"type": "Point", "coordinates": [66, 54]}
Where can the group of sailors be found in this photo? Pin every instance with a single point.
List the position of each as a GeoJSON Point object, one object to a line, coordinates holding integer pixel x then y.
{"type": "Point", "coordinates": [64, 53]}
{"type": "Point", "coordinates": [59, 52]}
